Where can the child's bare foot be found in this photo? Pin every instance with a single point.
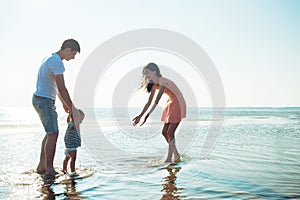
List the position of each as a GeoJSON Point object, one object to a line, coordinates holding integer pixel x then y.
{"type": "Point", "coordinates": [73, 174]}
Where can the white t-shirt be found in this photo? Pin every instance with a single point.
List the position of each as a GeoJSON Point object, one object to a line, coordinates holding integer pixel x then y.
{"type": "Point", "coordinates": [46, 85]}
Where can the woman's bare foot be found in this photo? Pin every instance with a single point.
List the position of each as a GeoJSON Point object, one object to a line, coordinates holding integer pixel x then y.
{"type": "Point", "coordinates": [177, 158]}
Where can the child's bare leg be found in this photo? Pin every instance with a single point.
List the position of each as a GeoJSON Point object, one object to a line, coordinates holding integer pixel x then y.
{"type": "Point", "coordinates": [73, 160]}
{"type": "Point", "coordinates": [65, 164]}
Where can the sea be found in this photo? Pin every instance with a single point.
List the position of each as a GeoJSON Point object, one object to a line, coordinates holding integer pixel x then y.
{"type": "Point", "coordinates": [239, 153]}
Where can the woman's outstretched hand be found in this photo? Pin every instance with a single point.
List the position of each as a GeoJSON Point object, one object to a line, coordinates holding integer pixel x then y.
{"type": "Point", "coordinates": [136, 120]}
{"type": "Point", "coordinates": [146, 117]}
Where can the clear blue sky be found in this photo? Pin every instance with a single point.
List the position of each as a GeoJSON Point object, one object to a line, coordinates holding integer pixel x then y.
{"type": "Point", "coordinates": [254, 44]}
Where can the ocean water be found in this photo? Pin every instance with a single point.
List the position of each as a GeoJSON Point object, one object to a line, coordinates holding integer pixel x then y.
{"type": "Point", "coordinates": [257, 156]}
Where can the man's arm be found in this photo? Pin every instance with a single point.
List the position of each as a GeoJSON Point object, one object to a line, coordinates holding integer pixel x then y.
{"type": "Point", "coordinates": [65, 106]}
{"type": "Point", "coordinates": [63, 93]}
{"type": "Point", "coordinates": [65, 97]}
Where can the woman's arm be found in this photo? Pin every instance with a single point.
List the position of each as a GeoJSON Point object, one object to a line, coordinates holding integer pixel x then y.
{"type": "Point", "coordinates": [137, 118]}
{"type": "Point", "coordinates": [159, 95]}
{"type": "Point", "coordinates": [148, 103]}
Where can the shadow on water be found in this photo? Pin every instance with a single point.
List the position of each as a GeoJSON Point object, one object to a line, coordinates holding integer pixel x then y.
{"type": "Point", "coordinates": [170, 189]}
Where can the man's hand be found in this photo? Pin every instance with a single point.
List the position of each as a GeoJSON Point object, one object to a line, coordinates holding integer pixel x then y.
{"type": "Point", "coordinates": [77, 117]}
{"type": "Point", "coordinates": [66, 108]}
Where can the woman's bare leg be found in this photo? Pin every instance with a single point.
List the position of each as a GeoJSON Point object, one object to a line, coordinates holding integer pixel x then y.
{"type": "Point", "coordinates": [165, 132]}
{"type": "Point", "coordinates": [172, 146]}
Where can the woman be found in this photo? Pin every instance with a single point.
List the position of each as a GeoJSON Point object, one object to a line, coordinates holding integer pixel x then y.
{"type": "Point", "coordinates": [174, 110]}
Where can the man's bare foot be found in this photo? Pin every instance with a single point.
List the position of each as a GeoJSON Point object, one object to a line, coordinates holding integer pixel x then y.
{"type": "Point", "coordinates": [50, 173]}
{"type": "Point", "coordinates": [41, 169]}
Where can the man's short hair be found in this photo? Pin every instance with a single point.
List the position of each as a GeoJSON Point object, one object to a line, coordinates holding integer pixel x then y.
{"type": "Point", "coordinates": [71, 43]}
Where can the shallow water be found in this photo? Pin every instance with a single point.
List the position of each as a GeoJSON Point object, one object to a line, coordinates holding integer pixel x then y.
{"type": "Point", "coordinates": [257, 157]}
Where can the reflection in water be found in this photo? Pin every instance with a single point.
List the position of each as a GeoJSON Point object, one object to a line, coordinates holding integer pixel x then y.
{"type": "Point", "coordinates": [46, 189]}
{"type": "Point", "coordinates": [170, 190]}
{"type": "Point", "coordinates": [70, 189]}
{"type": "Point", "coordinates": [47, 192]}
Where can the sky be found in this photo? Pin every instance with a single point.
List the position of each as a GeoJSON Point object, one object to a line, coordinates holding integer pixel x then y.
{"type": "Point", "coordinates": [254, 44]}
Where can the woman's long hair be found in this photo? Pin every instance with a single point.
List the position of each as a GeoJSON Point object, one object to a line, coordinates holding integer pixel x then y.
{"type": "Point", "coordinates": [145, 83]}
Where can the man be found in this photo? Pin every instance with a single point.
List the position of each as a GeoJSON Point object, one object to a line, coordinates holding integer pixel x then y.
{"type": "Point", "coordinates": [50, 83]}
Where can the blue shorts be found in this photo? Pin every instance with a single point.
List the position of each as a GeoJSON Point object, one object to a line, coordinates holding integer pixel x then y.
{"type": "Point", "coordinates": [46, 109]}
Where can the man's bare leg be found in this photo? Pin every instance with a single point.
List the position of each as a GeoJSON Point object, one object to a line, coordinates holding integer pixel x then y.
{"type": "Point", "coordinates": [41, 168]}
{"type": "Point", "coordinates": [50, 147]}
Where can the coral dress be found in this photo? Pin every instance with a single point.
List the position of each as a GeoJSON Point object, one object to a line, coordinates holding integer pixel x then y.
{"type": "Point", "coordinates": [175, 108]}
